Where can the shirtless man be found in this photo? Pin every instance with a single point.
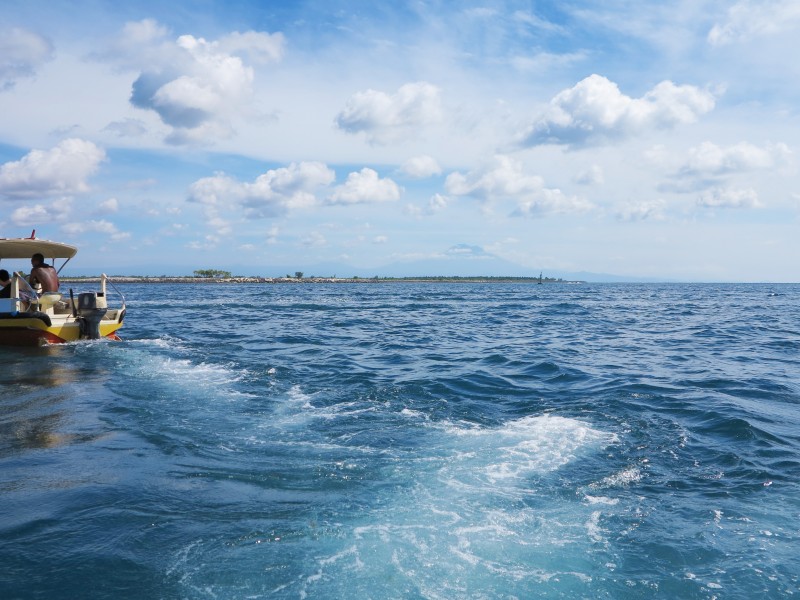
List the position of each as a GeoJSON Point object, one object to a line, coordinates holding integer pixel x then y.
{"type": "Point", "coordinates": [43, 274]}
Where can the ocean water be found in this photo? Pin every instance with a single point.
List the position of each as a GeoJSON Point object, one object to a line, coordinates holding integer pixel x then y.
{"type": "Point", "coordinates": [432, 441]}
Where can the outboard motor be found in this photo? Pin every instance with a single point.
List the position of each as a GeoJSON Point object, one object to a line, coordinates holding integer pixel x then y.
{"type": "Point", "coordinates": [91, 311]}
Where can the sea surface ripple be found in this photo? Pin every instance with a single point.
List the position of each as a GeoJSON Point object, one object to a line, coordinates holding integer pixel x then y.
{"type": "Point", "coordinates": [401, 440]}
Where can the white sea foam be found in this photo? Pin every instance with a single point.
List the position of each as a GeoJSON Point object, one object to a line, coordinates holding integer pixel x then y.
{"type": "Point", "coordinates": [472, 508]}
{"type": "Point", "coordinates": [157, 369]}
{"type": "Point", "coordinates": [297, 409]}
{"type": "Point", "coordinates": [454, 517]}
{"type": "Point", "coordinates": [352, 551]}
{"type": "Point", "coordinates": [159, 342]}
{"type": "Point", "coordinates": [601, 500]}
{"type": "Point", "coordinates": [413, 414]}
{"type": "Point", "coordinates": [201, 374]}
{"type": "Point", "coordinates": [297, 397]}
{"type": "Point", "coordinates": [593, 528]}
{"type": "Point", "coordinates": [146, 359]}
{"type": "Point", "coordinates": [520, 448]}
{"type": "Point", "coordinates": [622, 478]}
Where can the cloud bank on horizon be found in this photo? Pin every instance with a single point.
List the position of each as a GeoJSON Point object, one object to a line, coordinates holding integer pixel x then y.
{"type": "Point", "coordinates": [654, 141]}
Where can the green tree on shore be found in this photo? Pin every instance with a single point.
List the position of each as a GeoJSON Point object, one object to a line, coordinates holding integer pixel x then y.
{"type": "Point", "coordinates": [212, 273]}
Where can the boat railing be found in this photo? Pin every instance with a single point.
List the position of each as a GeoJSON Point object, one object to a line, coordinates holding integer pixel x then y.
{"type": "Point", "coordinates": [104, 281]}
{"type": "Point", "coordinates": [24, 297]}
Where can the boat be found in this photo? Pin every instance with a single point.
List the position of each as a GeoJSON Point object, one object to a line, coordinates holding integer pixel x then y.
{"type": "Point", "coordinates": [31, 318]}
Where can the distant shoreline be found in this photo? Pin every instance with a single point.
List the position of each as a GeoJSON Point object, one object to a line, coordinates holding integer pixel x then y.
{"type": "Point", "coordinates": [224, 280]}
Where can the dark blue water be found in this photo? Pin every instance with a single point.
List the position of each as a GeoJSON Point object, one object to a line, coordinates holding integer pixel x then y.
{"type": "Point", "coordinates": [410, 441]}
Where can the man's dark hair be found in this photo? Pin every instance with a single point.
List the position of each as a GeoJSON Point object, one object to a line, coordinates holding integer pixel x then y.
{"type": "Point", "coordinates": [4, 275]}
{"type": "Point", "coordinates": [38, 257]}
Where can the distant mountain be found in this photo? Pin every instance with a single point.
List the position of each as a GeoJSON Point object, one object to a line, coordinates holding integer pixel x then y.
{"type": "Point", "coordinates": [465, 261]}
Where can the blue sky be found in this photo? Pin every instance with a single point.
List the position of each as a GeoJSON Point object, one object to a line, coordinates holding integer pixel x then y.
{"type": "Point", "coordinates": [641, 139]}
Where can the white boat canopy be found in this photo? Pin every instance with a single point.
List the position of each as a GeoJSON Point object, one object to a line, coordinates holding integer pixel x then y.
{"type": "Point", "coordinates": [27, 247]}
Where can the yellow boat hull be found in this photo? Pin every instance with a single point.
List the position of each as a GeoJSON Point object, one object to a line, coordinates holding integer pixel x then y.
{"type": "Point", "coordinates": [33, 331]}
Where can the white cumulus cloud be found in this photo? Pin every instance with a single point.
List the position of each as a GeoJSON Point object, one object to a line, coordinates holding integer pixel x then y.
{"type": "Point", "coordinates": [365, 186]}
{"type": "Point", "coordinates": [272, 194]}
{"type": "Point", "coordinates": [383, 117]}
{"type": "Point", "coordinates": [195, 86]}
{"type": "Point", "coordinates": [501, 179]}
{"type": "Point", "coordinates": [62, 170]}
{"type": "Point", "coordinates": [292, 187]}
{"type": "Point", "coordinates": [22, 52]}
{"type": "Point", "coordinates": [595, 111]}
{"type": "Point", "coordinates": [506, 179]}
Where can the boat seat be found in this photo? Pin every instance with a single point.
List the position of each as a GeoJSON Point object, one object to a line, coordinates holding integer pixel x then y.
{"type": "Point", "coordinates": [48, 299]}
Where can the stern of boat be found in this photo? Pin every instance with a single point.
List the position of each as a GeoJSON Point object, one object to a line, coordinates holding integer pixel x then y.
{"type": "Point", "coordinates": [30, 319]}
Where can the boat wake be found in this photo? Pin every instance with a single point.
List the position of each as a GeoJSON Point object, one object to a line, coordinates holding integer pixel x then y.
{"type": "Point", "coordinates": [465, 506]}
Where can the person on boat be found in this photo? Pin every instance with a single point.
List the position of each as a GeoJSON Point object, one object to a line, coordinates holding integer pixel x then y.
{"type": "Point", "coordinates": [5, 282]}
{"type": "Point", "coordinates": [43, 274]}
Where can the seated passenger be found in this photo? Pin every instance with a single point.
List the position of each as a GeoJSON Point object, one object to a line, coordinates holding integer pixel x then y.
{"type": "Point", "coordinates": [43, 274]}
{"type": "Point", "coordinates": [5, 281]}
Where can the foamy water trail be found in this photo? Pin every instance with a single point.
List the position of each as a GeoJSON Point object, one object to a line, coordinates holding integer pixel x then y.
{"type": "Point", "coordinates": [468, 506]}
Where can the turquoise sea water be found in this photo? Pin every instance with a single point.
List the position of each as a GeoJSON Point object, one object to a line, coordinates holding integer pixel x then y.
{"type": "Point", "coordinates": [410, 441]}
